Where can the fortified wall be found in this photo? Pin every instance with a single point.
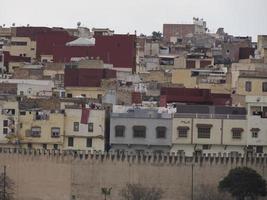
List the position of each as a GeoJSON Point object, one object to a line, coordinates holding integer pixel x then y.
{"type": "Point", "coordinates": [65, 175]}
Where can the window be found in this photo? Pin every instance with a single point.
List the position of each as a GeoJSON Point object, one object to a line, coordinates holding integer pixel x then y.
{"type": "Point", "coordinates": [18, 43]}
{"type": "Point", "coordinates": [254, 132]}
{"type": "Point", "coordinates": [5, 131]}
{"type": "Point", "coordinates": [119, 131]}
{"type": "Point", "coordinates": [264, 112]}
{"type": "Point", "coordinates": [248, 86]}
{"type": "Point", "coordinates": [259, 149]}
{"type": "Point", "coordinates": [55, 146]}
{"type": "Point", "coordinates": [182, 131]}
{"type": "Point", "coordinates": [139, 131]}
{"type": "Point", "coordinates": [236, 133]}
{"type": "Point", "coordinates": [29, 145]}
{"type": "Point", "coordinates": [76, 126]}
{"type": "Point", "coordinates": [255, 110]}
{"type": "Point", "coordinates": [36, 132]}
{"type": "Point", "coordinates": [44, 146]}
{"type": "Point", "coordinates": [5, 123]}
{"type": "Point", "coordinates": [89, 142]}
{"type": "Point", "coordinates": [206, 147]}
{"type": "Point", "coordinates": [55, 132]}
{"type": "Point", "coordinates": [22, 112]}
{"type": "Point", "coordinates": [8, 112]}
{"type": "Point", "coordinates": [83, 95]}
{"type": "Point", "coordinates": [70, 141]}
{"type": "Point", "coordinates": [69, 95]}
{"type": "Point", "coordinates": [264, 86]}
{"type": "Point", "coordinates": [161, 132]}
{"type": "Point", "coordinates": [90, 127]}
{"type": "Point", "coordinates": [204, 130]}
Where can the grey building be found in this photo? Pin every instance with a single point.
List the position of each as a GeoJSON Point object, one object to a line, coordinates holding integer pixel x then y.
{"type": "Point", "coordinates": [141, 130]}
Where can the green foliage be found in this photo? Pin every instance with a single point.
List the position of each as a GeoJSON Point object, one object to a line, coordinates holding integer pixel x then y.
{"type": "Point", "coordinates": [156, 35]}
{"type": "Point", "coordinates": [243, 182]}
{"type": "Point", "coordinates": [139, 192]}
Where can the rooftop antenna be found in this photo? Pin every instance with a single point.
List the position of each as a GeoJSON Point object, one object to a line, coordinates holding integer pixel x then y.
{"type": "Point", "coordinates": [78, 24]}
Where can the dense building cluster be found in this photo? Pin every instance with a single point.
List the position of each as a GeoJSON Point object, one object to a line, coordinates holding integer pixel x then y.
{"type": "Point", "coordinates": [186, 91]}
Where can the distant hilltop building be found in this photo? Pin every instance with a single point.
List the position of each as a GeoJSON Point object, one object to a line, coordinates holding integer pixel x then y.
{"type": "Point", "coordinates": [182, 30]}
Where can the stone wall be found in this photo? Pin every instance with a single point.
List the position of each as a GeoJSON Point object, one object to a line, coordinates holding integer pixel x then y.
{"type": "Point", "coordinates": [48, 175]}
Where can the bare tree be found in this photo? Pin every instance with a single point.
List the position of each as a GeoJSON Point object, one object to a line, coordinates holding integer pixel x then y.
{"type": "Point", "coordinates": [140, 192]}
{"type": "Point", "coordinates": [6, 187]}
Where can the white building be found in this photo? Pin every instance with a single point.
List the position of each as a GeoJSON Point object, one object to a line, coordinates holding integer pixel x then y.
{"type": "Point", "coordinates": [257, 124]}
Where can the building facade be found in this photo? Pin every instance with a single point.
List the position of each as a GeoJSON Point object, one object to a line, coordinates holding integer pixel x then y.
{"type": "Point", "coordinates": [84, 128]}
{"type": "Point", "coordinates": [141, 130]}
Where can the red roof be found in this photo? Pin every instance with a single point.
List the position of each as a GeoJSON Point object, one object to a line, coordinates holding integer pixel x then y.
{"type": "Point", "coordinates": [87, 77]}
{"type": "Point", "coordinates": [193, 96]}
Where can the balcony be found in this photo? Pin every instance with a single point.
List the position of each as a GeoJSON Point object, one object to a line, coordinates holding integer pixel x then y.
{"type": "Point", "coordinates": [209, 116]}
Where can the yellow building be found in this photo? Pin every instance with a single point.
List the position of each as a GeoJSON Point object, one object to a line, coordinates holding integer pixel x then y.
{"type": "Point", "coordinates": [216, 81]}
{"type": "Point", "coordinates": [21, 46]}
{"type": "Point", "coordinates": [88, 92]}
{"type": "Point", "coordinates": [252, 83]}
{"type": "Point", "coordinates": [8, 120]}
{"type": "Point", "coordinates": [209, 130]}
{"type": "Point", "coordinates": [89, 135]}
{"type": "Point", "coordinates": [41, 129]}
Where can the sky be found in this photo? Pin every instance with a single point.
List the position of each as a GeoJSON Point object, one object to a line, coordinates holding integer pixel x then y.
{"type": "Point", "coordinates": [238, 17]}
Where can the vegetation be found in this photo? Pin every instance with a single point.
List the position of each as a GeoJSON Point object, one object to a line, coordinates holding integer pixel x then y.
{"type": "Point", "coordinates": [6, 187]}
{"type": "Point", "coordinates": [244, 183]}
{"type": "Point", "coordinates": [210, 192]}
{"type": "Point", "coordinates": [156, 35]}
{"type": "Point", "coordinates": [106, 192]}
{"type": "Point", "coordinates": [139, 192]}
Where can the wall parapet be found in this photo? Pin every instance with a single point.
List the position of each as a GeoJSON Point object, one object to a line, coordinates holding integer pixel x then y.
{"type": "Point", "coordinates": [149, 158]}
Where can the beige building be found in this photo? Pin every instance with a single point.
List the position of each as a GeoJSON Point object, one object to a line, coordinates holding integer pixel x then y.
{"type": "Point", "coordinates": [84, 128]}
{"type": "Point", "coordinates": [41, 129]}
{"type": "Point", "coordinates": [209, 130]}
{"type": "Point", "coordinates": [88, 92]}
{"type": "Point", "coordinates": [21, 46]}
{"type": "Point", "coordinates": [215, 80]}
{"type": "Point", "coordinates": [8, 120]}
{"type": "Point", "coordinates": [252, 83]}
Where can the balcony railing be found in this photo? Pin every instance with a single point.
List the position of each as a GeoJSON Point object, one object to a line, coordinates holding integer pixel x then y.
{"type": "Point", "coordinates": [209, 116]}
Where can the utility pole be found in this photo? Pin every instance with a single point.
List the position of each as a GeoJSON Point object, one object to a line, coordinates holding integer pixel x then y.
{"type": "Point", "coordinates": [192, 182]}
{"type": "Point", "coordinates": [4, 184]}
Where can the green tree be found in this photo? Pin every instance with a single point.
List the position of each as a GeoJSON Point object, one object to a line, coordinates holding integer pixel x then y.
{"type": "Point", "coordinates": [156, 35]}
{"type": "Point", "coordinates": [242, 183]}
{"type": "Point", "coordinates": [139, 192]}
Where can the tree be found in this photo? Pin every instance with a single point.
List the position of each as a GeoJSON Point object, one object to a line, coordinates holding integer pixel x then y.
{"type": "Point", "coordinates": [156, 35]}
{"type": "Point", "coordinates": [139, 192]}
{"type": "Point", "coordinates": [6, 187]}
{"type": "Point", "coordinates": [210, 192]}
{"type": "Point", "coordinates": [243, 182]}
{"type": "Point", "coordinates": [106, 192]}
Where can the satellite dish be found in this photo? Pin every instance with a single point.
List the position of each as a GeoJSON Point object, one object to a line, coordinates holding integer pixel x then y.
{"type": "Point", "coordinates": [13, 24]}
{"type": "Point", "coordinates": [78, 24]}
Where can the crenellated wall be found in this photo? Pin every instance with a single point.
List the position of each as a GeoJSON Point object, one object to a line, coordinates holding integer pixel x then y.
{"type": "Point", "coordinates": [54, 175]}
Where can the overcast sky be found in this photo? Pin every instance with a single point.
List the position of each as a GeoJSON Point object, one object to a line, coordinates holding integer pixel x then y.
{"type": "Point", "coordinates": [238, 17]}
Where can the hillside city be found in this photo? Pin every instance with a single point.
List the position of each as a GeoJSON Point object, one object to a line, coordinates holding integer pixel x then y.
{"type": "Point", "coordinates": [182, 90]}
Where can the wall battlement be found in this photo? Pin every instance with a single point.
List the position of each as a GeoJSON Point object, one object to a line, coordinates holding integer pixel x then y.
{"type": "Point", "coordinates": [56, 174]}
{"type": "Point", "coordinates": [163, 159]}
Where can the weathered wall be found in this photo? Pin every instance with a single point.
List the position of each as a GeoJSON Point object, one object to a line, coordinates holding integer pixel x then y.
{"type": "Point", "coordinates": [53, 177]}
